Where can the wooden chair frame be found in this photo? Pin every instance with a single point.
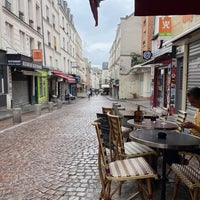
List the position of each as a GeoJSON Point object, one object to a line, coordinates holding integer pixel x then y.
{"type": "Point", "coordinates": [125, 149]}
{"type": "Point", "coordinates": [121, 170]}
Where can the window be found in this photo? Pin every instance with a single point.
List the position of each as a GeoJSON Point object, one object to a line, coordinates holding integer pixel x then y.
{"type": "Point", "coordinates": [64, 61]}
{"type": "Point", "coordinates": [39, 45]}
{"type": "Point", "coordinates": [63, 21]}
{"type": "Point", "coordinates": [21, 15]}
{"type": "Point", "coordinates": [8, 5]}
{"type": "Point", "coordinates": [38, 17]}
{"type": "Point", "coordinates": [54, 42]}
{"type": "Point", "coordinates": [49, 38]}
{"type": "Point", "coordinates": [47, 13]}
{"type": "Point", "coordinates": [9, 33]}
{"type": "Point", "coordinates": [63, 43]}
{"type": "Point", "coordinates": [54, 21]}
{"type": "Point", "coordinates": [51, 60]}
{"type": "Point", "coordinates": [22, 40]}
{"type": "Point", "coordinates": [30, 10]}
{"type": "Point", "coordinates": [31, 44]}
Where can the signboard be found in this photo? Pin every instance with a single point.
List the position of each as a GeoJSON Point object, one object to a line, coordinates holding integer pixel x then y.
{"type": "Point", "coordinates": [37, 55]}
{"type": "Point", "coordinates": [165, 26]}
{"type": "Point", "coordinates": [147, 55]}
{"type": "Point", "coordinates": [173, 87]}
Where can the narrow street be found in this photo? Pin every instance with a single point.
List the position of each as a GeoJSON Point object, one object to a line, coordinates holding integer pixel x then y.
{"type": "Point", "coordinates": [54, 156]}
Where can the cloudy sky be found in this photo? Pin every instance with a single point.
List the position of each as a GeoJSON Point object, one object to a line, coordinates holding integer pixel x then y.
{"type": "Point", "coordinates": [97, 41]}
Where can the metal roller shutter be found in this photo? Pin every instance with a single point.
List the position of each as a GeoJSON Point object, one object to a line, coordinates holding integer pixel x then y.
{"type": "Point", "coordinates": [20, 93]}
{"type": "Point", "coordinates": [193, 79]}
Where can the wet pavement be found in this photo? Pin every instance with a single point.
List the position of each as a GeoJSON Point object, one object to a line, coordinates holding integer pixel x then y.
{"type": "Point", "coordinates": [54, 156]}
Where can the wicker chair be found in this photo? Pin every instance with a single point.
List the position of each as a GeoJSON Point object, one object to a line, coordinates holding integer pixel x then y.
{"type": "Point", "coordinates": [121, 170]}
{"type": "Point", "coordinates": [188, 173]}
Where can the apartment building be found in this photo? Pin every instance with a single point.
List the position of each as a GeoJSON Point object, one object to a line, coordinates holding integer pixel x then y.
{"type": "Point", "coordinates": [21, 52]}
{"type": "Point", "coordinates": [127, 42]}
{"type": "Point", "coordinates": [40, 51]}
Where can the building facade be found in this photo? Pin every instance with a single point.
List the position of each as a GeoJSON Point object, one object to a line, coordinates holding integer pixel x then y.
{"type": "Point", "coordinates": [24, 80]}
{"type": "Point", "coordinates": [40, 51]}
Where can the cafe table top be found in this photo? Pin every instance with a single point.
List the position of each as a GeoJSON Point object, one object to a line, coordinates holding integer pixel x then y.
{"type": "Point", "coordinates": [158, 124]}
{"type": "Point", "coordinates": [173, 140]}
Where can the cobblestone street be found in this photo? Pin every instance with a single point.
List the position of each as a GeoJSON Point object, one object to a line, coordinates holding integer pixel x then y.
{"type": "Point", "coordinates": [54, 156]}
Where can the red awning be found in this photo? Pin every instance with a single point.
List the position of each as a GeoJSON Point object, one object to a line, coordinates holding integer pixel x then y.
{"type": "Point", "coordinates": [168, 7]}
{"type": "Point", "coordinates": [69, 78]}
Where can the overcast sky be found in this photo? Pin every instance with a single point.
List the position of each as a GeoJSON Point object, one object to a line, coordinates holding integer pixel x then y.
{"type": "Point", "coordinates": [97, 41]}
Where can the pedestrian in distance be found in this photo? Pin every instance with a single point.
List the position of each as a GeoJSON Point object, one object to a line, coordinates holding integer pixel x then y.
{"type": "Point", "coordinates": [89, 94]}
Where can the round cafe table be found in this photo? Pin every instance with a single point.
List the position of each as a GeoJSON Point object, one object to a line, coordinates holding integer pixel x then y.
{"type": "Point", "coordinates": [148, 124]}
{"type": "Point", "coordinates": [173, 140]}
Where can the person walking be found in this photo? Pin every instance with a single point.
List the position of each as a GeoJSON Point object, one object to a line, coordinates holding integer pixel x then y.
{"type": "Point", "coordinates": [89, 94]}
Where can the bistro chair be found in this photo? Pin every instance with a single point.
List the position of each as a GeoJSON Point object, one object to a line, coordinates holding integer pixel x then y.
{"type": "Point", "coordinates": [125, 149]}
{"type": "Point", "coordinates": [188, 173]}
{"type": "Point", "coordinates": [180, 119]}
{"type": "Point", "coordinates": [125, 130]}
{"type": "Point", "coordinates": [122, 170]}
{"type": "Point", "coordinates": [105, 128]}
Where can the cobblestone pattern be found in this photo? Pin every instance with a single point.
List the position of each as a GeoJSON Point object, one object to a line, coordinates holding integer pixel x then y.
{"type": "Point", "coordinates": [54, 156]}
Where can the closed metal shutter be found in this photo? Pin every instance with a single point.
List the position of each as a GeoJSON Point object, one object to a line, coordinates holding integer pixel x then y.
{"type": "Point", "coordinates": [20, 91]}
{"type": "Point", "coordinates": [193, 79]}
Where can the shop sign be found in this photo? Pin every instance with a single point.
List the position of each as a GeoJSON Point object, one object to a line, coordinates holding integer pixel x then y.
{"type": "Point", "coordinates": [37, 55]}
{"type": "Point", "coordinates": [165, 26]}
{"type": "Point", "coordinates": [147, 55]}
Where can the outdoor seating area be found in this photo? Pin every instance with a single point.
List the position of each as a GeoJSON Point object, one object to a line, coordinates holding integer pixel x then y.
{"type": "Point", "coordinates": [120, 170]}
{"type": "Point", "coordinates": [147, 141]}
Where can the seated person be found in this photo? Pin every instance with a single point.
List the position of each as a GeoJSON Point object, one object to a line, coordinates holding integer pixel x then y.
{"type": "Point", "coordinates": [193, 96]}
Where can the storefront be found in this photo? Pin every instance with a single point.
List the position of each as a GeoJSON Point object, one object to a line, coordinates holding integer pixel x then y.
{"type": "Point", "coordinates": [188, 66]}
{"type": "Point", "coordinates": [23, 79]}
{"type": "Point", "coordinates": [61, 84]}
{"type": "Point", "coordinates": [163, 86]}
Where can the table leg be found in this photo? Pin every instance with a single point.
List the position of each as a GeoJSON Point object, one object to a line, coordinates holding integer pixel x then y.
{"type": "Point", "coordinates": [164, 179]}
